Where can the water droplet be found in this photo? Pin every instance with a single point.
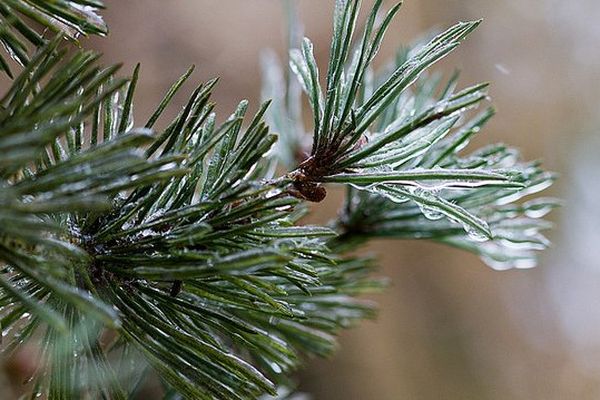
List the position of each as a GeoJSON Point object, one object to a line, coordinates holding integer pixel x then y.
{"type": "Point", "coordinates": [440, 108]}
{"type": "Point", "coordinates": [507, 263]}
{"type": "Point", "coordinates": [391, 195]}
{"type": "Point", "coordinates": [430, 212]}
{"type": "Point", "coordinates": [276, 368]}
{"type": "Point", "coordinates": [475, 234]}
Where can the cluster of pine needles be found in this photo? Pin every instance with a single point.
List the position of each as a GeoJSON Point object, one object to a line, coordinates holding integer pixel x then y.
{"type": "Point", "coordinates": [172, 248]}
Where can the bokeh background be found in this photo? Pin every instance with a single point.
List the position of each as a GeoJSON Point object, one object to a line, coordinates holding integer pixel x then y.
{"type": "Point", "coordinates": [449, 327]}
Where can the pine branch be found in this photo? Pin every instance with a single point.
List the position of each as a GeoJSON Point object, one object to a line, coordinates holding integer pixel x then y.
{"type": "Point", "coordinates": [173, 247]}
{"type": "Point", "coordinates": [395, 136]}
{"type": "Point", "coordinates": [198, 258]}
{"type": "Point", "coordinates": [476, 211]}
{"type": "Point", "coordinates": [20, 20]}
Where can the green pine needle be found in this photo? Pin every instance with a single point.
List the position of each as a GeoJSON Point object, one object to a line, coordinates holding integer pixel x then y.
{"type": "Point", "coordinates": [21, 20]}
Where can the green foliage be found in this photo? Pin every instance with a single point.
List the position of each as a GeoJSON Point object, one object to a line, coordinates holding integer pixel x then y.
{"type": "Point", "coordinates": [169, 246]}
{"type": "Point", "coordinates": [20, 21]}
{"type": "Point", "coordinates": [396, 136]}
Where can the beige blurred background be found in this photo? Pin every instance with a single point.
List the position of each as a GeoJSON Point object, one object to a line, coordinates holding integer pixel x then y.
{"type": "Point", "coordinates": [449, 327]}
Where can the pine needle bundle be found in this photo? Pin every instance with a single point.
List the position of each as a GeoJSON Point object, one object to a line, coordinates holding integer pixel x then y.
{"type": "Point", "coordinates": [170, 247]}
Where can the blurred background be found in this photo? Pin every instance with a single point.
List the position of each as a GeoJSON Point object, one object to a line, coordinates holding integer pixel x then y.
{"type": "Point", "coordinates": [449, 327]}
